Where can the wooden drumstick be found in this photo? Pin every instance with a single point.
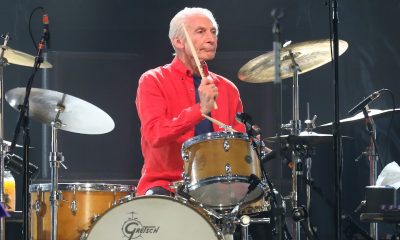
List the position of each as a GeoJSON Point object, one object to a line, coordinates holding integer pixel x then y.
{"type": "Point", "coordinates": [220, 124]}
{"type": "Point", "coordinates": [196, 58]}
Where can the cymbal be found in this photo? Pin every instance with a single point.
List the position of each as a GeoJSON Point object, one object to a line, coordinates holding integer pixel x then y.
{"type": "Point", "coordinates": [360, 115]}
{"type": "Point", "coordinates": [304, 138]}
{"type": "Point", "coordinates": [308, 55]}
{"type": "Point", "coordinates": [19, 58]}
{"type": "Point", "coordinates": [78, 115]}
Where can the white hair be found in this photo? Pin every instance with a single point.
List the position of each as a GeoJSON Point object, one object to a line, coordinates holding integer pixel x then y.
{"type": "Point", "coordinates": [175, 26]}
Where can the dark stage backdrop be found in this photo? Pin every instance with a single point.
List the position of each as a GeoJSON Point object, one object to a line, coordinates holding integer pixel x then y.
{"type": "Point", "coordinates": [100, 48]}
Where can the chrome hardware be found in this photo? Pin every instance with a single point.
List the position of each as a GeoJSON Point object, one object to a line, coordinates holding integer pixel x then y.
{"type": "Point", "coordinates": [228, 171]}
{"type": "Point", "coordinates": [226, 145]}
{"type": "Point", "coordinates": [185, 155]}
{"type": "Point", "coordinates": [74, 204]}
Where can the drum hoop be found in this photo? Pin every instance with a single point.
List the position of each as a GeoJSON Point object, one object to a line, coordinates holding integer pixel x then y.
{"type": "Point", "coordinates": [84, 187]}
{"type": "Point", "coordinates": [217, 231]}
{"type": "Point", "coordinates": [214, 135]}
{"type": "Point", "coordinates": [221, 179]}
{"type": "Point", "coordinates": [218, 179]}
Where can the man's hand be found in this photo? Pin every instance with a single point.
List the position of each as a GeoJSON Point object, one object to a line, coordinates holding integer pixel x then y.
{"type": "Point", "coordinates": [208, 93]}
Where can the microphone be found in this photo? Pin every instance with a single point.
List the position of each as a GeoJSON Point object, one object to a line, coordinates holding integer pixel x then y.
{"type": "Point", "coordinates": [254, 181]}
{"type": "Point", "coordinates": [46, 32]}
{"type": "Point", "coordinates": [251, 128]}
{"type": "Point", "coordinates": [16, 164]}
{"type": "Point", "coordinates": [365, 102]}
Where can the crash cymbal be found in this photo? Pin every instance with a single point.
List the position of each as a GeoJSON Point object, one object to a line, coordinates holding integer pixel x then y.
{"type": "Point", "coordinates": [78, 115]}
{"type": "Point", "coordinates": [360, 115]}
{"type": "Point", "coordinates": [304, 138]}
{"type": "Point", "coordinates": [12, 56]}
{"type": "Point", "coordinates": [308, 55]}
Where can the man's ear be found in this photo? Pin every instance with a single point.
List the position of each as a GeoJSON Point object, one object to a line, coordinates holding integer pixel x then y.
{"type": "Point", "coordinates": [178, 42]}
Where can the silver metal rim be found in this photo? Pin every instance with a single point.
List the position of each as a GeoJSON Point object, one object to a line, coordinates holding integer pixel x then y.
{"type": "Point", "coordinates": [86, 187]}
{"type": "Point", "coordinates": [214, 135]}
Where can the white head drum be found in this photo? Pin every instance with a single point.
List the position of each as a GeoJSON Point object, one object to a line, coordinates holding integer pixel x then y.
{"type": "Point", "coordinates": [154, 218]}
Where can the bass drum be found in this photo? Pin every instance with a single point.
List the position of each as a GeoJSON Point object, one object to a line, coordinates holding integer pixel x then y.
{"type": "Point", "coordinates": [154, 218]}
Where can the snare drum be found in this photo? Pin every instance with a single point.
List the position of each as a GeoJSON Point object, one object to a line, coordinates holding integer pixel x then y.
{"type": "Point", "coordinates": [217, 167]}
{"type": "Point", "coordinates": [154, 218]}
{"type": "Point", "coordinates": [80, 205]}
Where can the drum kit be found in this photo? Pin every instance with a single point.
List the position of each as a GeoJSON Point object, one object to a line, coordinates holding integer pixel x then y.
{"type": "Point", "coordinates": [224, 184]}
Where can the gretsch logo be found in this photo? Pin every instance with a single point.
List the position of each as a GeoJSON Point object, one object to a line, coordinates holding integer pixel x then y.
{"type": "Point", "coordinates": [133, 228]}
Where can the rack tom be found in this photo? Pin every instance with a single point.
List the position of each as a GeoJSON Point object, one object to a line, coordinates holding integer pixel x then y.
{"type": "Point", "coordinates": [217, 167]}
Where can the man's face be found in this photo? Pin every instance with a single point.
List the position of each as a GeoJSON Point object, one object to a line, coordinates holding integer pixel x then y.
{"type": "Point", "coordinates": [203, 35]}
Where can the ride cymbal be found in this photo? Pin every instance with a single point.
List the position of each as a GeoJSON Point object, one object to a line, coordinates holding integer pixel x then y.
{"type": "Point", "coordinates": [12, 56]}
{"type": "Point", "coordinates": [308, 56]}
{"type": "Point", "coordinates": [77, 115]}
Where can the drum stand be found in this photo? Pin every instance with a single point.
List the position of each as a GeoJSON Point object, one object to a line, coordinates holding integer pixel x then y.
{"type": "Point", "coordinates": [373, 158]}
{"type": "Point", "coordinates": [299, 212]}
{"type": "Point", "coordinates": [3, 63]}
{"type": "Point", "coordinates": [56, 159]}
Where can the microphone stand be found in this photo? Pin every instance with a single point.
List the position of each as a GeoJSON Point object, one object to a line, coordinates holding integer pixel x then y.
{"type": "Point", "coordinates": [23, 121]}
{"type": "Point", "coordinates": [373, 158]}
{"type": "Point", "coordinates": [277, 207]}
{"type": "Point", "coordinates": [337, 144]}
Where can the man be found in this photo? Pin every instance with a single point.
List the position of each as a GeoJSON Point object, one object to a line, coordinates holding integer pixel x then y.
{"type": "Point", "coordinates": [172, 100]}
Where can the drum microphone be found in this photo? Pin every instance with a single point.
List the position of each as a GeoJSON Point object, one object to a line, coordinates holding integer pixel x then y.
{"type": "Point", "coordinates": [254, 182]}
{"type": "Point", "coordinates": [16, 164]}
{"type": "Point", "coordinates": [251, 128]}
{"type": "Point", "coordinates": [366, 101]}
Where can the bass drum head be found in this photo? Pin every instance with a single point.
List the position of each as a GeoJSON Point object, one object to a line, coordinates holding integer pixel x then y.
{"type": "Point", "coordinates": [153, 218]}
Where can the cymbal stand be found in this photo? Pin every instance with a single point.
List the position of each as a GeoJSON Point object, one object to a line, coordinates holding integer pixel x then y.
{"type": "Point", "coordinates": [295, 127]}
{"type": "Point", "coordinates": [3, 63]}
{"type": "Point", "coordinates": [373, 158]}
{"type": "Point", "coordinates": [56, 159]}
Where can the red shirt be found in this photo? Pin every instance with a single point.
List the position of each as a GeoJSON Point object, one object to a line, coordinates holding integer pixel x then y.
{"type": "Point", "coordinates": [168, 113]}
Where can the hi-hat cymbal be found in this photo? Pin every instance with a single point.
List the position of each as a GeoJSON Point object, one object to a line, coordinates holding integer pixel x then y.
{"type": "Point", "coordinates": [360, 115]}
{"type": "Point", "coordinates": [77, 116]}
{"type": "Point", "coordinates": [19, 58]}
{"type": "Point", "coordinates": [308, 55]}
{"type": "Point", "coordinates": [304, 138]}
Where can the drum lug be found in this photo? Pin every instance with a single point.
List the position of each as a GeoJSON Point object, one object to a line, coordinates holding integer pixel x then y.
{"type": "Point", "coordinates": [226, 145]}
{"type": "Point", "coordinates": [186, 179]}
{"type": "Point", "coordinates": [74, 204]}
{"type": "Point", "coordinates": [228, 171]}
{"type": "Point", "coordinates": [74, 207]}
{"type": "Point", "coordinates": [94, 218]}
{"type": "Point", "coordinates": [37, 206]}
{"type": "Point", "coordinates": [84, 235]}
{"type": "Point", "coordinates": [185, 155]}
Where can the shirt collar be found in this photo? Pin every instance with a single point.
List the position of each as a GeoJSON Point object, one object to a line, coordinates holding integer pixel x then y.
{"type": "Point", "coordinates": [178, 65]}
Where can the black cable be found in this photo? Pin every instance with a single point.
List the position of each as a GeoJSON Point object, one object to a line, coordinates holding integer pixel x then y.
{"type": "Point", "coordinates": [35, 44]}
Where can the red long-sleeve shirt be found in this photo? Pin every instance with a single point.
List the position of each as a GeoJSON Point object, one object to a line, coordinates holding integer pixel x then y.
{"type": "Point", "coordinates": [168, 113]}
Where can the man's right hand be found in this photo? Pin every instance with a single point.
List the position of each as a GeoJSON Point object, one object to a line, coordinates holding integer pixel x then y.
{"type": "Point", "coordinates": [208, 93]}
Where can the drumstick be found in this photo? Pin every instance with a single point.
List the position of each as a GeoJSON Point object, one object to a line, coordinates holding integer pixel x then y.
{"type": "Point", "coordinates": [220, 124]}
{"type": "Point", "coordinates": [196, 58]}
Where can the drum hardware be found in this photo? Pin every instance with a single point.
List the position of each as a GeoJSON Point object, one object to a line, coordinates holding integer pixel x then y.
{"type": "Point", "coordinates": [64, 112]}
{"type": "Point", "coordinates": [10, 56]}
{"type": "Point", "coordinates": [373, 153]}
{"type": "Point", "coordinates": [294, 59]}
